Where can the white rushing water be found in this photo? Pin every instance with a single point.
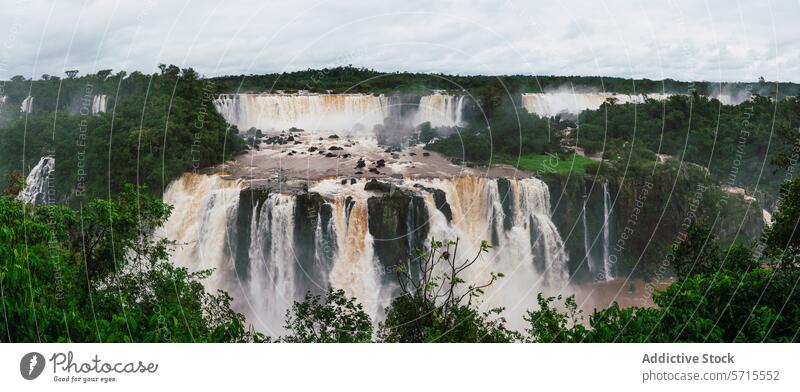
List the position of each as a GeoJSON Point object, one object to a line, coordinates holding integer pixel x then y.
{"type": "Point", "coordinates": [551, 104]}
{"type": "Point", "coordinates": [38, 182]}
{"type": "Point", "coordinates": [607, 267]}
{"type": "Point", "coordinates": [204, 207]}
{"type": "Point", "coordinates": [530, 252]}
{"type": "Point", "coordinates": [767, 217]}
{"type": "Point", "coordinates": [441, 110]}
{"type": "Point", "coordinates": [99, 103]}
{"type": "Point", "coordinates": [586, 247]}
{"type": "Point", "coordinates": [272, 259]}
{"type": "Point", "coordinates": [349, 113]}
{"type": "Point", "coordinates": [27, 105]}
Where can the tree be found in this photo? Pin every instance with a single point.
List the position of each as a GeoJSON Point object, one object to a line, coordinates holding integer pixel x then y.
{"type": "Point", "coordinates": [782, 234]}
{"type": "Point", "coordinates": [437, 305]}
{"type": "Point", "coordinates": [50, 296]}
{"type": "Point", "coordinates": [334, 319]}
{"type": "Point", "coordinates": [696, 253]}
{"type": "Point", "coordinates": [548, 325]}
{"type": "Point", "coordinates": [103, 74]}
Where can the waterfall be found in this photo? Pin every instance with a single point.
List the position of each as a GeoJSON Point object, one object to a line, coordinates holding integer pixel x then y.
{"type": "Point", "coordinates": [586, 247]}
{"type": "Point", "coordinates": [530, 253]}
{"type": "Point", "coordinates": [204, 208]}
{"type": "Point", "coordinates": [38, 183]}
{"type": "Point", "coordinates": [440, 110]}
{"type": "Point", "coordinates": [207, 223]}
{"type": "Point", "coordinates": [27, 105]}
{"type": "Point", "coordinates": [99, 103]}
{"type": "Point", "coordinates": [355, 269]}
{"type": "Point", "coordinates": [349, 113]}
{"type": "Point", "coordinates": [766, 216]}
{"type": "Point", "coordinates": [607, 267]}
{"type": "Point", "coordinates": [272, 263]}
{"type": "Point", "coordinates": [551, 104]}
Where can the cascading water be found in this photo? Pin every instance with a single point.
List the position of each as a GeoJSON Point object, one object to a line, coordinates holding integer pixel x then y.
{"type": "Point", "coordinates": [607, 267]}
{"type": "Point", "coordinates": [515, 214]}
{"type": "Point", "coordinates": [766, 216]}
{"type": "Point", "coordinates": [350, 113]}
{"type": "Point", "coordinates": [586, 246]}
{"type": "Point", "coordinates": [204, 207]}
{"type": "Point", "coordinates": [99, 103]}
{"type": "Point", "coordinates": [272, 263]}
{"type": "Point", "coordinates": [441, 110]}
{"type": "Point", "coordinates": [27, 105]}
{"type": "Point", "coordinates": [38, 183]}
{"type": "Point", "coordinates": [551, 104]}
{"type": "Point", "coordinates": [355, 269]}
{"type": "Point", "coordinates": [528, 249]}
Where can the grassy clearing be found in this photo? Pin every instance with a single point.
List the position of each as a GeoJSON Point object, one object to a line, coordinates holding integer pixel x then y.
{"type": "Point", "coordinates": [575, 164]}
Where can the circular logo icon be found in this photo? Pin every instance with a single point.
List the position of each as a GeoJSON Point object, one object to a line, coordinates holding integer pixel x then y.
{"type": "Point", "coordinates": [31, 365]}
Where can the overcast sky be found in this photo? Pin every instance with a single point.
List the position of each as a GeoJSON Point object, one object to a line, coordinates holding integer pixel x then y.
{"type": "Point", "coordinates": [687, 40]}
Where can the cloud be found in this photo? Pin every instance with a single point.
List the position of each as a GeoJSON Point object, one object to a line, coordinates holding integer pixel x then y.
{"type": "Point", "coordinates": [713, 40]}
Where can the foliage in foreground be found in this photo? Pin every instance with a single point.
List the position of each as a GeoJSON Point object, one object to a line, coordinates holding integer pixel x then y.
{"type": "Point", "coordinates": [66, 278]}
{"type": "Point", "coordinates": [337, 319]}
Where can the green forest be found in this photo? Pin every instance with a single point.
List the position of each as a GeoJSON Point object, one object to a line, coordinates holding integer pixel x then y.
{"type": "Point", "coordinates": [156, 127]}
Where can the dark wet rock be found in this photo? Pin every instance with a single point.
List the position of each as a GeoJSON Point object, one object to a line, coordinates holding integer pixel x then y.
{"type": "Point", "coordinates": [380, 163]}
{"type": "Point", "coordinates": [374, 170]}
{"type": "Point", "coordinates": [290, 138]}
{"type": "Point", "coordinates": [344, 181]}
{"type": "Point", "coordinates": [398, 223]}
{"type": "Point", "coordinates": [309, 210]}
{"type": "Point", "coordinates": [349, 203]}
{"type": "Point", "coordinates": [345, 156]}
{"type": "Point", "coordinates": [375, 185]}
{"type": "Point", "coordinates": [312, 149]}
{"type": "Point", "coordinates": [330, 155]}
{"type": "Point", "coordinates": [426, 154]}
{"type": "Point", "coordinates": [439, 199]}
{"type": "Point", "coordinates": [413, 154]}
{"type": "Point", "coordinates": [335, 148]}
{"type": "Point", "coordinates": [507, 200]}
{"type": "Point", "coordinates": [275, 140]}
{"type": "Point", "coordinates": [361, 163]}
{"type": "Point", "coordinates": [334, 136]}
{"type": "Point", "coordinates": [352, 181]}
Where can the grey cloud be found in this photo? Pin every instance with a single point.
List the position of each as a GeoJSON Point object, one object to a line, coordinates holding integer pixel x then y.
{"type": "Point", "coordinates": [713, 40]}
